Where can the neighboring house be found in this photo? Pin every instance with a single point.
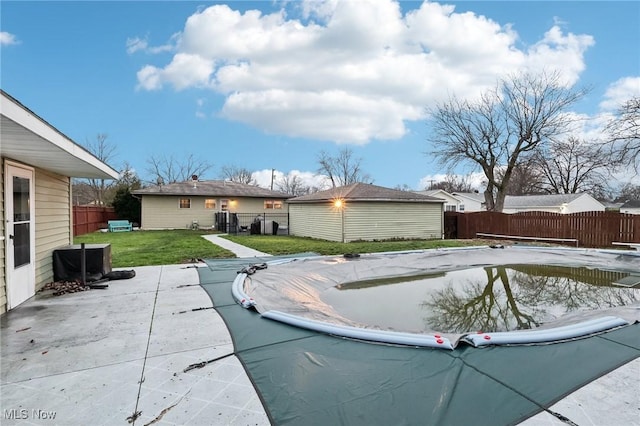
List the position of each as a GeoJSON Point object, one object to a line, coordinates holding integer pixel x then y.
{"type": "Point", "coordinates": [611, 206]}
{"type": "Point", "coordinates": [556, 203]}
{"type": "Point", "coordinates": [362, 211]}
{"type": "Point", "coordinates": [37, 164]}
{"type": "Point", "coordinates": [470, 202]}
{"type": "Point", "coordinates": [196, 202]}
{"type": "Point", "coordinates": [452, 204]}
{"type": "Point", "coordinates": [631, 207]}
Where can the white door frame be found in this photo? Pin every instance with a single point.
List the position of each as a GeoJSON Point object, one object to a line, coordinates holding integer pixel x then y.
{"type": "Point", "coordinates": [21, 279]}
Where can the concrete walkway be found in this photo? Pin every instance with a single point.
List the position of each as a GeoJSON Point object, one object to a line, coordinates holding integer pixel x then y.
{"type": "Point", "coordinates": [238, 249]}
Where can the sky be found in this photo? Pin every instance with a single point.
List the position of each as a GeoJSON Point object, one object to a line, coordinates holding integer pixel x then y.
{"type": "Point", "coordinates": [269, 85]}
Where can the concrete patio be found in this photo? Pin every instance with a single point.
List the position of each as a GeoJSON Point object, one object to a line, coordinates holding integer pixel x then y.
{"type": "Point", "coordinates": [151, 350]}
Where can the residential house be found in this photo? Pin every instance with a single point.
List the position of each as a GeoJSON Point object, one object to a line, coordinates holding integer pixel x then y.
{"type": "Point", "coordinates": [362, 211]}
{"type": "Point", "coordinates": [37, 163]}
{"type": "Point", "coordinates": [630, 207]}
{"type": "Point", "coordinates": [470, 202]}
{"type": "Point", "coordinates": [199, 203]}
{"type": "Point", "coordinates": [556, 203]}
{"type": "Point", "coordinates": [451, 203]}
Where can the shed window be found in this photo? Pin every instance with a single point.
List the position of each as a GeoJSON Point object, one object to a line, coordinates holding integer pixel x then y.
{"type": "Point", "coordinates": [273, 204]}
{"type": "Point", "coordinates": [209, 203]}
{"type": "Point", "coordinates": [450, 208]}
{"type": "Point", "coordinates": [185, 203]}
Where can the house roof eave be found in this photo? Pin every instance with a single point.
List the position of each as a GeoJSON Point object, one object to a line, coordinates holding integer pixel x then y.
{"type": "Point", "coordinates": [29, 139]}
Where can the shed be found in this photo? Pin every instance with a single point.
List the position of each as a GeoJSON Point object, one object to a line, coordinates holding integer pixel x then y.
{"type": "Point", "coordinates": [37, 163]}
{"type": "Point", "coordinates": [365, 212]}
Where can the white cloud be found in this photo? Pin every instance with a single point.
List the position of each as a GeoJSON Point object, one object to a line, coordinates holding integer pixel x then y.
{"type": "Point", "coordinates": [136, 44]}
{"type": "Point", "coordinates": [349, 71]}
{"type": "Point", "coordinates": [7, 39]}
{"type": "Point", "coordinates": [560, 52]}
{"type": "Point", "coordinates": [619, 92]}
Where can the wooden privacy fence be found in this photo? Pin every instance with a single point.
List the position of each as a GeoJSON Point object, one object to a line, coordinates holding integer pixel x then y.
{"type": "Point", "coordinates": [587, 229]}
{"type": "Point", "coordinates": [91, 218]}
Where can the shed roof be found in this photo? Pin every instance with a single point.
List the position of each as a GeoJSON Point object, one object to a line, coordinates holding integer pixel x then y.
{"type": "Point", "coordinates": [366, 192]}
{"type": "Point", "coordinates": [211, 188]}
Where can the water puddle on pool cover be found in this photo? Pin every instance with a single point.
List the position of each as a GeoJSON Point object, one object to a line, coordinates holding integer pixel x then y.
{"type": "Point", "coordinates": [496, 298]}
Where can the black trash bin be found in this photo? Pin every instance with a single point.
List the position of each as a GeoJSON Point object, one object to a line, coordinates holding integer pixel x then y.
{"type": "Point", "coordinates": [255, 228]}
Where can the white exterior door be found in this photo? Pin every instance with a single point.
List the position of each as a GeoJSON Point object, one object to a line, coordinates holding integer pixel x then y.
{"type": "Point", "coordinates": [20, 234]}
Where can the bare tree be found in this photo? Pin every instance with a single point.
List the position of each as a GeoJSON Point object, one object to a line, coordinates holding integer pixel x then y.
{"type": "Point", "coordinates": [238, 174]}
{"type": "Point", "coordinates": [523, 112]}
{"type": "Point", "coordinates": [526, 178]}
{"type": "Point", "coordinates": [170, 169]}
{"type": "Point", "coordinates": [628, 192]}
{"type": "Point", "coordinates": [292, 184]}
{"type": "Point", "coordinates": [343, 169]}
{"type": "Point", "coordinates": [95, 190]}
{"type": "Point", "coordinates": [453, 183]}
{"type": "Point", "coordinates": [573, 165]}
{"type": "Point", "coordinates": [623, 134]}
{"type": "Point", "coordinates": [403, 187]}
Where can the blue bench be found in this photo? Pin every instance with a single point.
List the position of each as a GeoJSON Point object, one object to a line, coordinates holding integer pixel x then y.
{"type": "Point", "coordinates": [119, 226]}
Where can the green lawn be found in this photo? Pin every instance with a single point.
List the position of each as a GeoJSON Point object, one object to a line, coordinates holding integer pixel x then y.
{"type": "Point", "coordinates": [142, 248]}
{"type": "Point", "coordinates": [290, 245]}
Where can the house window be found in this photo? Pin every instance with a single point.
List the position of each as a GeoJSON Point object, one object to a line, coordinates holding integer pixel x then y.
{"type": "Point", "coordinates": [272, 204]}
{"type": "Point", "coordinates": [224, 205]}
{"type": "Point", "coordinates": [461, 208]}
{"type": "Point", "coordinates": [185, 203]}
{"type": "Point", "coordinates": [209, 203]}
{"type": "Point", "coordinates": [450, 208]}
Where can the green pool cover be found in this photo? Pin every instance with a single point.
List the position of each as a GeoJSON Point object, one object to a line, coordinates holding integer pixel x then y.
{"type": "Point", "coordinates": [308, 378]}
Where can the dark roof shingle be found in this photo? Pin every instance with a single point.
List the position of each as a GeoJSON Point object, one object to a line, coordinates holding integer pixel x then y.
{"type": "Point", "coordinates": [365, 192]}
{"type": "Point", "coordinates": [213, 188]}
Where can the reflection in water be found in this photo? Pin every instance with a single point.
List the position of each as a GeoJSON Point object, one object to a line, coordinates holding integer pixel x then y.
{"type": "Point", "coordinates": [523, 297]}
{"type": "Point", "coordinates": [497, 298]}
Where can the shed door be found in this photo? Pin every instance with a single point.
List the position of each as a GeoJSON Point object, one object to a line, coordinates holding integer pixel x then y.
{"type": "Point", "coordinates": [20, 234]}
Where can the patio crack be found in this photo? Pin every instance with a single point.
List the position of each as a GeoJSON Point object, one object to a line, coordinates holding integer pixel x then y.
{"type": "Point", "coordinates": [166, 410]}
{"type": "Point", "coordinates": [132, 419]}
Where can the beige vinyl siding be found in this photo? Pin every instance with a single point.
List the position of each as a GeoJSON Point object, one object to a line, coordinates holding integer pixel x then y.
{"type": "Point", "coordinates": [3, 279]}
{"type": "Point", "coordinates": [319, 220]}
{"type": "Point", "coordinates": [163, 212]}
{"type": "Point", "coordinates": [392, 220]}
{"type": "Point", "coordinates": [367, 221]}
{"type": "Point", "coordinates": [255, 205]}
{"type": "Point", "coordinates": [53, 221]}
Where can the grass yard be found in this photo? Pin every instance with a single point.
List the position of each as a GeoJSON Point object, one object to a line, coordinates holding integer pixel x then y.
{"type": "Point", "coordinates": [291, 245]}
{"type": "Point", "coordinates": [144, 248]}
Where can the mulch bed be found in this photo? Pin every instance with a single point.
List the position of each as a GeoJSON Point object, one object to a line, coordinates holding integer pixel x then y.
{"type": "Point", "coordinates": [64, 287]}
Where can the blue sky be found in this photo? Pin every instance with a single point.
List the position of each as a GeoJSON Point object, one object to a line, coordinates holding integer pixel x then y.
{"type": "Point", "coordinates": [269, 85]}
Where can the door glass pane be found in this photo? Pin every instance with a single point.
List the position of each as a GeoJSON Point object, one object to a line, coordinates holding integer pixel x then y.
{"type": "Point", "coordinates": [21, 217]}
{"type": "Point", "coordinates": [21, 254]}
{"type": "Point", "coordinates": [20, 199]}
